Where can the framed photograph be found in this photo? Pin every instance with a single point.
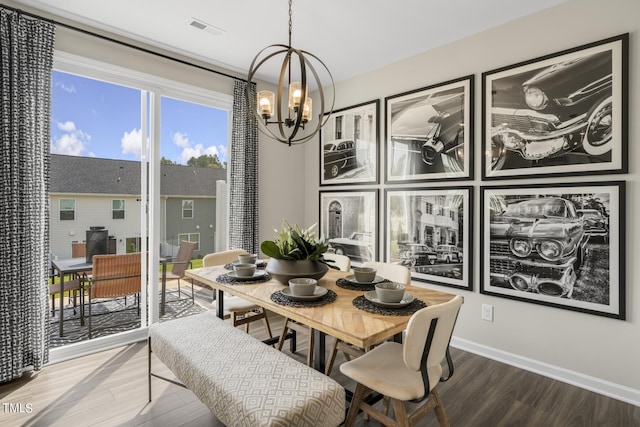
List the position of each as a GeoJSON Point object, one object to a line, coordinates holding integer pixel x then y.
{"type": "Point", "coordinates": [349, 145]}
{"type": "Point", "coordinates": [349, 221]}
{"type": "Point", "coordinates": [561, 246]}
{"type": "Point", "coordinates": [429, 133]}
{"type": "Point", "coordinates": [430, 231]}
{"type": "Point", "coordinates": [561, 114]}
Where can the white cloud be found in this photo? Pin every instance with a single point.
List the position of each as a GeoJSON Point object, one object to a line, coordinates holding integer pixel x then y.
{"type": "Point", "coordinates": [72, 142]}
{"type": "Point", "coordinates": [181, 140]}
{"type": "Point", "coordinates": [131, 143]}
{"type": "Point", "coordinates": [70, 89]}
{"type": "Point", "coordinates": [190, 150]}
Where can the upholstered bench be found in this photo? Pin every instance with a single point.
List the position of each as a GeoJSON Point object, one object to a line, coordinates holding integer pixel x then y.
{"type": "Point", "coordinates": [243, 381]}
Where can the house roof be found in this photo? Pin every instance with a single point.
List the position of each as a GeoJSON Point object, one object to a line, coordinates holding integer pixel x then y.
{"type": "Point", "coordinates": [91, 175]}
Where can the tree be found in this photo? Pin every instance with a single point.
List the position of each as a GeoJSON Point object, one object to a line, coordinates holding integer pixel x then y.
{"type": "Point", "coordinates": [164, 161]}
{"type": "Point", "coordinates": [207, 161]}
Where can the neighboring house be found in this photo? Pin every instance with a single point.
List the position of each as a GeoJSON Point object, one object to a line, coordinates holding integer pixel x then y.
{"type": "Point", "coordinates": [87, 191]}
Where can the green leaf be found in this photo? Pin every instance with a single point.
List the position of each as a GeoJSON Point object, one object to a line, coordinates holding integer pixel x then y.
{"type": "Point", "coordinates": [271, 250]}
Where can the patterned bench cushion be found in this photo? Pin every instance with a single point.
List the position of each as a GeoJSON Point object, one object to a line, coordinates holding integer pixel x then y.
{"type": "Point", "coordinates": [243, 381]}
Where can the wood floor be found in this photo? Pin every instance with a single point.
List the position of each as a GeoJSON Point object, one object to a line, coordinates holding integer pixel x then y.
{"type": "Point", "coordinates": [110, 389]}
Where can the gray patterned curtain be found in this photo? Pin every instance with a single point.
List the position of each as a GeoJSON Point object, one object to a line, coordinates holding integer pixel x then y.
{"type": "Point", "coordinates": [25, 99]}
{"type": "Point", "coordinates": [243, 188]}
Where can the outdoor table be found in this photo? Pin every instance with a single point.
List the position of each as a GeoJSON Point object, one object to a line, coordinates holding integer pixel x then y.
{"type": "Point", "coordinates": [64, 268]}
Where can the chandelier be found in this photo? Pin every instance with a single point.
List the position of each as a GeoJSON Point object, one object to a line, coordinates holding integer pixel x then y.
{"type": "Point", "coordinates": [279, 118]}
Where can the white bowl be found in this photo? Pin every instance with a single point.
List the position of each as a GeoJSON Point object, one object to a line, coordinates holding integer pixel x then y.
{"type": "Point", "coordinates": [244, 270]}
{"type": "Point", "coordinates": [302, 286]}
{"type": "Point", "coordinates": [248, 258]}
{"type": "Point", "coordinates": [364, 274]}
{"type": "Point", "coordinates": [390, 291]}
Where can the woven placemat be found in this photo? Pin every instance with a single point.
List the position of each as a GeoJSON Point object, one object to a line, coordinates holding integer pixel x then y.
{"type": "Point", "coordinates": [346, 284]}
{"type": "Point", "coordinates": [280, 298]}
{"type": "Point", "coordinates": [228, 280]}
{"type": "Point", "coordinates": [260, 264]}
{"type": "Point", "coordinates": [364, 304]}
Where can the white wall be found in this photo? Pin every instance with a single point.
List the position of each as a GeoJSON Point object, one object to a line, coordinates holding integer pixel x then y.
{"type": "Point", "coordinates": [592, 351]}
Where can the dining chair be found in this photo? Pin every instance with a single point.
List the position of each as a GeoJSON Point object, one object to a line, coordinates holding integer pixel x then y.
{"type": "Point", "coordinates": [393, 272]}
{"type": "Point", "coordinates": [343, 263]}
{"type": "Point", "coordinates": [112, 276]}
{"type": "Point", "coordinates": [241, 311]}
{"type": "Point", "coordinates": [406, 372]}
{"type": "Point", "coordinates": [180, 264]}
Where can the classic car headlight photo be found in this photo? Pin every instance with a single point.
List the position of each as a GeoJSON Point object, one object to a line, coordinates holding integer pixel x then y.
{"type": "Point", "coordinates": [520, 247]}
{"type": "Point", "coordinates": [550, 250]}
{"type": "Point", "coordinates": [535, 98]}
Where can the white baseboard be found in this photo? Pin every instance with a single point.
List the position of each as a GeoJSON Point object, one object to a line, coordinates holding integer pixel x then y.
{"type": "Point", "coordinates": [596, 385]}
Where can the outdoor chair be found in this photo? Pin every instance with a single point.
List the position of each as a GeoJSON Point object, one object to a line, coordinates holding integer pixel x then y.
{"type": "Point", "coordinates": [239, 310]}
{"type": "Point", "coordinates": [406, 372]}
{"type": "Point", "coordinates": [343, 263]}
{"type": "Point", "coordinates": [112, 276]}
{"type": "Point", "coordinates": [394, 272]}
{"type": "Point", "coordinates": [180, 264]}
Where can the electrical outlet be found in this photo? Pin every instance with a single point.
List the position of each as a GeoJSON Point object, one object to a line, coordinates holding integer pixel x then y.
{"type": "Point", "coordinates": [487, 312]}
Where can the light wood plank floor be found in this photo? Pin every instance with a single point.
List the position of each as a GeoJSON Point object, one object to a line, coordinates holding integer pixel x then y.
{"type": "Point", "coordinates": [110, 389]}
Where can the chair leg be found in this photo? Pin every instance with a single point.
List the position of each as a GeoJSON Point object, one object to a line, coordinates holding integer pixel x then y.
{"type": "Point", "coordinates": [354, 407]}
{"type": "Point", "coordinates": [332, 357]}
{"type": "Point", "coordinates": [265, 320]}
{"type": "Point", "coordinates": [284, 334]}
{"type": "Point", "coordinates": [89, 312]}
{"type": "Point", "coordinates": [439, 409]}
{"type": "Point", "coordinates": [310, 342]}
{"type": "Point", "coordinates": [400, 413]}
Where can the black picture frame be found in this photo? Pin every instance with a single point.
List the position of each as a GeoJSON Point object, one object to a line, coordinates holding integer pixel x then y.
{"type": "Point", "coordinates": [350, 146]}
{"type": "Point", "coordinates": [561, 246]}
{"type": "Point", "coordinates": [561, 114]}
{"type": "Point", "coordinates": [429, 133]}
{"type": "Point", "coordinates": [430, 230]}
{"type": "Point", "coordinates": [349, 222]}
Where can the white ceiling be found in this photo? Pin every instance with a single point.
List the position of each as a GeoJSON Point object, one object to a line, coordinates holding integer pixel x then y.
{"type": "Point", "coordinates": [350, 36]}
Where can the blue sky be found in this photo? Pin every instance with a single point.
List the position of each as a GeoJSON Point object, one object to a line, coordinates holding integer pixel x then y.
{"type": "Point", "coordinates": [96, 119]}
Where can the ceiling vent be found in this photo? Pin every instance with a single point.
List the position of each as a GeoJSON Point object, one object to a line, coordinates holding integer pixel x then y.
{"type": "Point", "coordinates": [201, 25]}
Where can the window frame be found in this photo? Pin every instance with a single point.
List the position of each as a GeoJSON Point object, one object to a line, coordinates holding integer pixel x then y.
{"type": "Point", "coordinates": [181, 237]}
{"type": "Point", "coordinates": [60, 210]}
{"type": "Point", "coordinates": [193, 208]}
{"type": "Point", "coordinates": [124, 209]}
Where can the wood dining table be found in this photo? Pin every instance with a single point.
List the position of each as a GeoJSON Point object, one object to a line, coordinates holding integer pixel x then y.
{"type": "Point", "coordinates": [339, 319]}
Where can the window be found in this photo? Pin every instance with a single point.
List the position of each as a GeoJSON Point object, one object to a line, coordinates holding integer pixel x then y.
{"type": "Point", "coordinates": [338, 127]}
{"type": "Point", "coordinates": [429, 208]}
{"type": "Point", "coordinates": [117, 209]}
{"type": "Point", "coordinates": [67, 209]}
{"type": "Point", "coordinates": [190, 237]}
{"type": "Point", "coordinates": [187, 209]}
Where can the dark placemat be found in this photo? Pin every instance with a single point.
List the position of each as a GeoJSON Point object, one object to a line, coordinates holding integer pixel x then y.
{"type": "Point", "coordinates": [345, 284]}
{"type": "Point", "coordinates": [258, 265]}
{"type": "Point", "coordinates": [364, 304]}
{"type": "Point", "coordinates": [228, 280]}
{"type": "Point", "coordinates": [280, 298]}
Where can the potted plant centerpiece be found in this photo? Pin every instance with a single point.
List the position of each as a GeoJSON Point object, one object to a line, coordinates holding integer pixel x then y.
{"type": "Point", "coordinates": [295, 252]}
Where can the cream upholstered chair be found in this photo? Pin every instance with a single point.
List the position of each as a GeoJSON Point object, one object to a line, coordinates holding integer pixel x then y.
{"type": "Point", "coordinates": [241, 311]}
{"type": "Point", "coordinates": [410, 371]}
{"type": "Point", "coordinates": [342, 262]}
{"type": "Point", "coordinates": [394, 272]}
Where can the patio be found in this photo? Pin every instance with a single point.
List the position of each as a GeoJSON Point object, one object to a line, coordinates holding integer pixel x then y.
{"type": "Point", "coordinates": [114, 316]}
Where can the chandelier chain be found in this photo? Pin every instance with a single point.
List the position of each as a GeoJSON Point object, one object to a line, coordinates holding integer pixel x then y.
{"type": "Point", "coordinates": [290, 22]}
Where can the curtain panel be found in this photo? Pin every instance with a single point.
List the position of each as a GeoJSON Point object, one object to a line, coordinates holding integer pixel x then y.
{"type": "Point", "coordinates": [243, 185]}
{"type": "Point", "coordinates": [26, 47]}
